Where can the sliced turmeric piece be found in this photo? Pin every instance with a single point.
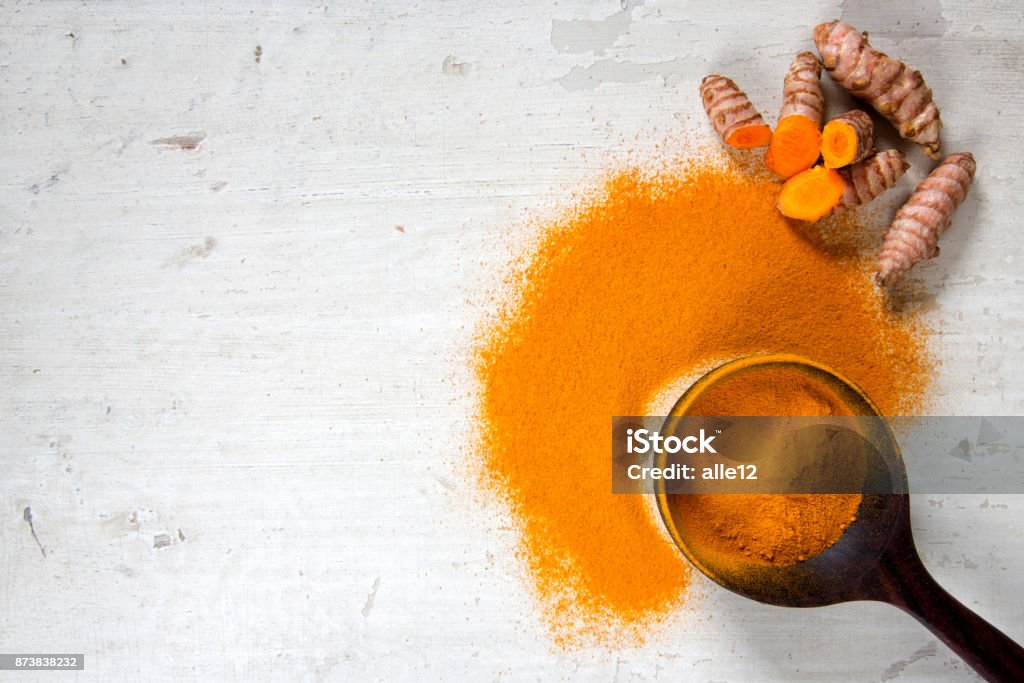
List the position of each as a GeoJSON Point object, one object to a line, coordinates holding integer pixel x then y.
{"type": "Point", "coordinates": [795, 144]}
{"type": "Point", "coordinates": [811, 194]}
{"type": "Point", "coordinates": [732, 114]}
{"type": "Point", "coordinates": [847, 139]}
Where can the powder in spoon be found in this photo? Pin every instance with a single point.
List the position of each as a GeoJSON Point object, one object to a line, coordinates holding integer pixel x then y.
{"type": "Point", "coordinates": [766, 529]}
{"type": "Point", "coordinates": [652, 278]}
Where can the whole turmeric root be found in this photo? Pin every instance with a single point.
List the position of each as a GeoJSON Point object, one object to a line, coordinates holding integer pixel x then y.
{"type": "Point", "coordinates": [914, 233]}
{"type": "Point", "coordinates": [847, 139]}
{"type": "Point", "coordinates": [732, 114]}
{"type": "Point", "coordinates": [895, 90]}
{"type": "Point", "coordinates": [870, 177]}
{"type": "Point", "coordinates": [796, 142]}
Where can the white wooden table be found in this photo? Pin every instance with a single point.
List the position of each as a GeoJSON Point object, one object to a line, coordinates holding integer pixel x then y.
{"type": "Point", "coordinates": [236, 248]}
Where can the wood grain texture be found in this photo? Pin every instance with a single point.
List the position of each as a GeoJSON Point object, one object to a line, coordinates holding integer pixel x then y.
{"type": "Point", "coordinates": [236, 295]}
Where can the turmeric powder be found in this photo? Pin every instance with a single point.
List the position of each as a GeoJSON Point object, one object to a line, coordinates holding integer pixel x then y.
{"type": "Point", "coordinates": [654, 277]}
{"type": "Point", "coordinates": [766, 529]}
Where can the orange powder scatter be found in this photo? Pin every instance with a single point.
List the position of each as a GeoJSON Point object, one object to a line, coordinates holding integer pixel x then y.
{"type": "Point", "coordinates": [654, 278]}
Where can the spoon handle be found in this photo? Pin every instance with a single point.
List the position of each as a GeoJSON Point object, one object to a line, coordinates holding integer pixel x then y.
{"type": "Point", "coordinates": [908, 585]}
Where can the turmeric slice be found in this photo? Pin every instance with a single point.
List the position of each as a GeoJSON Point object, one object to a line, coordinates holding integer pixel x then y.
{"type": "Point", "coordinates": [795, 143]}
{"type": "Point", "coordinates": [847, 139]}
{"type": "Point", "coordinates": [732, 114]}
{"type": "Point", "coordinates": [811, 194]}
{"type": "Point", "coordinates": [794, 146]}
{"type": "Point", "coordinates": [896, 91]}
{"type": "Point", "coordinates": [914, 233]}
{"type": "Point", "coordinates": [870, 177]}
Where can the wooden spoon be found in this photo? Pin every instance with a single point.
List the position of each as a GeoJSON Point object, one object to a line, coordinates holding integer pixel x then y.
{"type": "Point", "coordinates": [874, 559]}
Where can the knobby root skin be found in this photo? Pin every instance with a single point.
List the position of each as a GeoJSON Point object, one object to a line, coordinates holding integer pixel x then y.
{"type": "Point", "coordinates": [870, 177]}
{"type": "Point", "coordinates": [847, 139]}
{"type": "Point", "coordinates": [896, 91]}
{"type": "Point", "coordinates": [914, 233]}
{"type": "Point", "coordinates": [732, 114]}
{"type": "Point", "coordinates": [811, 194]}
{"type": "Point", "coordinates": [801, 89]}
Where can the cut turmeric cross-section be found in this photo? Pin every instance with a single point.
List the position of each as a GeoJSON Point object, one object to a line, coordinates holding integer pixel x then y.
{"type": "Point", "coordinates": [809, 195]}
{"type": "Point", "coordinates": [794, 146]}
{"type": "Point", "coordinates": [847, 139]}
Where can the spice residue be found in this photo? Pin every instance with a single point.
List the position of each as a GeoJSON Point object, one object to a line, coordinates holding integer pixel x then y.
{"type": "Point", "coordinates": [655, 277]}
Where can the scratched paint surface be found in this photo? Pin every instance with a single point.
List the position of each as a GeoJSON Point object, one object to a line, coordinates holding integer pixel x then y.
{"type": "Point", "coordinates": [239, 250]}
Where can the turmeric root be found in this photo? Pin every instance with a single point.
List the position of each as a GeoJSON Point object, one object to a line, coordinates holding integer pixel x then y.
{"type": "Point", "coordinates": [795, 144]}
{"type": "Point", "coordinates": [801, 89]}
{"type": "Point", "coordinates": [896, 91]}
{"type": "Point", "coordinates": [811, 194]}
{"type": "Point", "coordinates": [732, 114]}
{"type": "Point", "coordinates": [870, 177]}
{"type": "Point", "coordinates": [914, 233]}
{"type": "Point", "coordinates": [847, 139]}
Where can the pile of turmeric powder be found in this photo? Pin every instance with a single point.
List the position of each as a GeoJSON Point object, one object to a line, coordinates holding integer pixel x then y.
{"type": "Point", "coordinates": [653, 278]}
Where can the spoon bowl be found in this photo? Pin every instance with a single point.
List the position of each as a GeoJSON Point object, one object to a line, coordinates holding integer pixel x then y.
{"type": "Point", "coordinates": [874, 558]}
